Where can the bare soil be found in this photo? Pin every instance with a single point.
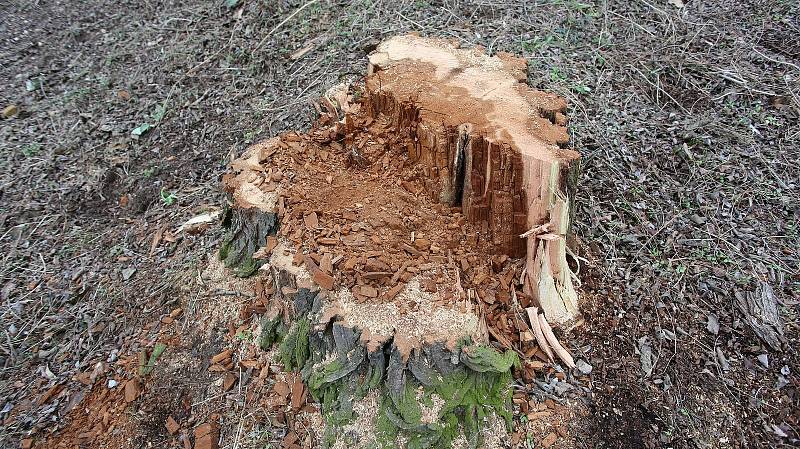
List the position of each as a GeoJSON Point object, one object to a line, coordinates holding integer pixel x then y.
{"type": "Point", "coordinates": [687, 119]}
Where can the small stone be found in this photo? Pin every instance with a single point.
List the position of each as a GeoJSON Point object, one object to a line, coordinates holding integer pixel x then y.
{"type": "Point", "coordinates": [172, 425]}
{"type": "Point", "coordinates": [127, 273]}
{"type": "Point", "coordinates": [764, 360]}
{"type": "Point", "coordinates": [112, 383]}
{"type": "Point", "coordinates": [698, 220]}
{"type": "Point", "coordinates": [10, 111]}
{"type": "Point", "coordinates": [713, 324]}
{"type": "Point", "coordinates": [27, 443]}
{"type": "Point", "coordinates": [560, 388]}
{"type": "Point", "coordinates": [583, 367]}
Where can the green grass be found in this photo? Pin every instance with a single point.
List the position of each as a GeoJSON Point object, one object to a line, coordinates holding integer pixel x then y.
{"type": "Point", "coordinates": [168, 198]}
{"type": "Point", "coordinates": [31, 149]}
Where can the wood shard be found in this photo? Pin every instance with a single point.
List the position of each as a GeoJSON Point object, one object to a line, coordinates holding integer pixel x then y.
{"type": "Point", "coordinates": [562, 353]}
{"type": "Point", "coordinates": [321, 278]}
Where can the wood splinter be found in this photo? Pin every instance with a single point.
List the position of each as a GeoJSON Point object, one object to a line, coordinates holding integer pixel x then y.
{"type": "Point", "coordinates": [562, 353]}
{"type": "Point", "coordinates": [533, 314]}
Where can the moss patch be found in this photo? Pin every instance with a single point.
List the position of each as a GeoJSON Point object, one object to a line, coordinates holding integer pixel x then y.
{"type": "Point", "coordinates": [294, 347]}
{"type": "Point", "coordinates": [471, 394]}
{"type": "Point", "coordinates": [471, 383]}
{"type": "Point", "coordinates": [476, 387]}
{"type": "Point", "coordinates": [272, 331]}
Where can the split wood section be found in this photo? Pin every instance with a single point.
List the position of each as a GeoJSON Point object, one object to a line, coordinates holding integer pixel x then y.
{"type": "Point", "coordinates": [490, 144]}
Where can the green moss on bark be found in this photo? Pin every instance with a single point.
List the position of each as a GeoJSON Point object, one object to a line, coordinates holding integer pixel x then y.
{"type": "Point", "coordinates": [471, 394]}
{"type": "Point", "coordinates": [272, 331]}
{"type": "Point", "coordinates": [478, 387]}
{"type": "Point", "coordinates": [294, 347]}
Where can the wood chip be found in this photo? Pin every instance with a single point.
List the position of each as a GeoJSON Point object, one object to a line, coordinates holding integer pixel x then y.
{"type": "Point", "coordinates": [172, 425]}
{"type": "Point", "coordinates": [311, 221]}
{"type": "Point", "coordinates": [219, 358]}
{"type": "Point", "coordinates": [281, 389]}
{"type": "Point", "coordinates": [550, 439]}
{"type": "Point", "coordinates": [368, 291]}
{"type": "Point", "coordinates": [394, 291]}
{"type": "Point", "coordinates": [321, 278]}
{"type": "Point", "coordinates": [132, 390]}
{"type": "Point", "coordinates": [375, 275]}
{"type": "Point", "coordinates": [228, 381]}
{"type": "Point", "coordinates": [297, 393]}
{"type": "Point", "coordinates": [411, 250]}
{"type": "Point", "coordinates": [533, 316]}
{"type": "Point", "coordinates": [562, 353]}
{"type": "Point", "coordinates": [326, 264]}
{"type": "Point", "coordinates": [206, 436]}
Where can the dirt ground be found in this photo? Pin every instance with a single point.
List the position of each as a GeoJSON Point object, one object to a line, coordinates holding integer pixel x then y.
{"type": "Point", "coordinates": [686, 113]}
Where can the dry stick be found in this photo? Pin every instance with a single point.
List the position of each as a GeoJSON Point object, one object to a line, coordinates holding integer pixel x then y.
{"type": "Point", "coordinates": [284, 21]}
{"type": "Point", "coordinates": [563, 354]}
{"type": "Point", "coordinates": [533, 314]}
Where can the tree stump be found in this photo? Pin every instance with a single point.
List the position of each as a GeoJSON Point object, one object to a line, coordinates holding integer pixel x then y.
{"type": "Point", "coordinates": [388, 241]}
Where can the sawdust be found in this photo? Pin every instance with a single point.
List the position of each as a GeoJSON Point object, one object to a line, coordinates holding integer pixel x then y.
{"type": "Point", "coordinates": [315, 423]}
{"type": "Point", "coordinates": [281, 259]}
{"type": "Point", "coordinates": [494, 435]}
{"type": "Point", "coordinates": [425, 319]}
{"type": "Point", "coordinates": [362, 429]}
{"type": "Point", "coordinates": [220, 297]}
{"type": "Point", "coordinates": [430, 414]}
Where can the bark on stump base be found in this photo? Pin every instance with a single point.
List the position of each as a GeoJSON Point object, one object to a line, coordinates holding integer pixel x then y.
{"type": "Point", "coordinates": [389, 229]}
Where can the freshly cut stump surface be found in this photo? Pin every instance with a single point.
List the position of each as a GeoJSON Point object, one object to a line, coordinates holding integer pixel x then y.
{"type": "Point", "coordinates": [384, 239]}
